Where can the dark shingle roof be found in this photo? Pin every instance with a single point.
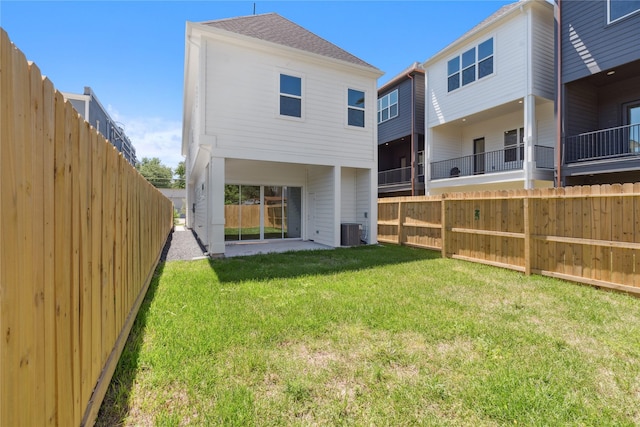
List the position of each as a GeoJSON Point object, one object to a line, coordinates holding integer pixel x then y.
{"type": "Point", "coordinates": [273, 28]}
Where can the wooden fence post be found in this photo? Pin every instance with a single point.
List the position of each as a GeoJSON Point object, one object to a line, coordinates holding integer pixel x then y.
{"type": "Point", "coordinates": [527, 234]}
{"type": "Point", "coordinates": [443, 233]}
{"type": "Point", "coordinates": [400, 221]}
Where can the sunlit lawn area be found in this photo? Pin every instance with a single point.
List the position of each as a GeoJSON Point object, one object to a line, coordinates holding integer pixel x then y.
{"type": "Point", "coordinates": [375, 336]}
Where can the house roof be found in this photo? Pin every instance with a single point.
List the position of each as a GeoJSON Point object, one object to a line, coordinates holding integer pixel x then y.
{"type": "Point", "coordinates": [416, 67]}
{"type": "Point", "coordinates": [273, 28]}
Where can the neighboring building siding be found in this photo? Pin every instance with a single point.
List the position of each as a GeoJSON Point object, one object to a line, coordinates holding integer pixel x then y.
{"type": "Point", "coordinates": [583, 114]}
{"type": "Point", "coordinates": [419, 103]}
{"type": "Point", "coordinates": [543, 47]}
{"type": "Point", "coordinates": [260, 133]}
{"type": "Point", "coordinates": [607, 43]}
{"type": "Point", "coordinates": [546, 125]}
{"type": "Point", "coordinates": [505, 84]}
{"type": "Point", "coordinates": [398, 126]}
{"type": "Point", "coordinates": [612, 98]}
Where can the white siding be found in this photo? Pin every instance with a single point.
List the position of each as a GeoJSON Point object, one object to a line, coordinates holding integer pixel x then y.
{"type": "Point", "coordinates": [242, 106]}
{"type": "Point", "coordinates": [363, 202]}
{"type": "Point", "coordinates": [348, 195]}
{"type": "Point", "coordinates": [320, 182]}
{"type": "Point", "coordinates": [543, 53]}
{"type": "Point", "coordinates": [492, 131]}
{"type": "Point", "coordinates": [507, 83]}
{"type": "Point", "coordinates": [447, 143]}
{"type": "Point", "coordinates": [546, 124]}
{"type": "Point", "coordinates": [200, 200]}
{"type": "Point", "coordinates": [251, 172]}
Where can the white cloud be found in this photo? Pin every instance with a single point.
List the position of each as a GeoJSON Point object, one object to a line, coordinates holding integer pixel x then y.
{"type": "Point", "coordinates": [153, 137]}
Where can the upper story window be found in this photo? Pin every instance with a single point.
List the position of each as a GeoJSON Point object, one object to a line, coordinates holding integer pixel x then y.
{"type": "Point", "coordinates": [618, 9]}
{"type": "Point", "coordinates": [472, 65]}
{"type": "Point", "coordinates": [355, 108]}
{"type": "Point", "coordinates": [290, 96]}
{"type": "Point", "coordinates": [388, 106]}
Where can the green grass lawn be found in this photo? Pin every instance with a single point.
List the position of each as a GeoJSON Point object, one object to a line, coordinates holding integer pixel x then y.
{"type": "Point", "coordinates": [375, 336]}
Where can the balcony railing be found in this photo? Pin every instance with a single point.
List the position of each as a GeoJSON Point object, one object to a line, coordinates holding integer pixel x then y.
{"type": "Point", "coordinates": [399, 175]}
{"type": "Point", "coordinates": [394, 176]}
{"type": "Point", "coordinates": [603, 144]}
{"type": "Point", "coordinates": [507, 159]}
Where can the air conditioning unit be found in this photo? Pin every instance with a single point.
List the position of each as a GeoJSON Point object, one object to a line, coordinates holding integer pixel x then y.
{"type": "Point", "coordinates": [350, 234]}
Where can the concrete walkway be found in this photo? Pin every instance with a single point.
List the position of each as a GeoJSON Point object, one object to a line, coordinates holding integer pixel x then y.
{"type": "Point", "coordinates": [183, 245]}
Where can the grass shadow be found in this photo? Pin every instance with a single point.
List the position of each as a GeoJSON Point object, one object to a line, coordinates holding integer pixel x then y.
{"type": "Point", "coordinates": [116, 403]}
{"type": "Point", "coordinates": [292, 264]}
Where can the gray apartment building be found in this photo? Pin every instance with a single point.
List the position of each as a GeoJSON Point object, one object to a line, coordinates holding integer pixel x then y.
{"type": "Point", "coordinates": [92, 111]}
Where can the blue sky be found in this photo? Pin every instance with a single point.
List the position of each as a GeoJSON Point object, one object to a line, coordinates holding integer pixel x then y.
{"type": "Point", "coordinates": [131, 53]}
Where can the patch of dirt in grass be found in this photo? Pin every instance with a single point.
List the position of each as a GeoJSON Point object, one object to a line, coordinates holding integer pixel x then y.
{"type": "Point", "coordinates": [146, 406]}
{"type": "Point", "coordinates": [316, 358]}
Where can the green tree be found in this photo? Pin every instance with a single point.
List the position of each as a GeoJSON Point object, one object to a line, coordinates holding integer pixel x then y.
{"type": "Point", "coordinates": [180, 173]}
{"type": "Point", "coordinates": [159, 175]}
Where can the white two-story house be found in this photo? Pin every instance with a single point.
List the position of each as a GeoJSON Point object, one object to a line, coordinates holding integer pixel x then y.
{"type": "Point", "coordinates": [279, 134]}
{"type": "Point", "coordinates": [489, 109]}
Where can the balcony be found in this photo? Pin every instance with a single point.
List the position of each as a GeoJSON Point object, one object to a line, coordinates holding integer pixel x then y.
{"type": "Point", "coordinates": [507, 159]}
{"type": "Point", "coordinates": [622, 141]}
{"type": "Point", "coordinates": [401, 175]}
{"type": "Point", "coordinates": [398, 176]}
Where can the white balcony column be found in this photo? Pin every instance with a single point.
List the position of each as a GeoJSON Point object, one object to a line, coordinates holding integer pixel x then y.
{"type": "Point", "coordinates": [428, 138]}
{"type": "Point", "coordinates": [530, 138]}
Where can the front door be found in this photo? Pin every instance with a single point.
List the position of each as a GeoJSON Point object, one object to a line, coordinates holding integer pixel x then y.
{"type": "Point", "coordinates": [478, 156]}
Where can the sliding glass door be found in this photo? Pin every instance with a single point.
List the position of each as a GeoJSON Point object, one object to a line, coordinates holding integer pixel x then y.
{"type": "Point", "coordinates": [254, 212]}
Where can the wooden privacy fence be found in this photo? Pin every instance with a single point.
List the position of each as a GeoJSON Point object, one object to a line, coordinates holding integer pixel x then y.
{"type": "Point", "coordinates": [81, 233]}
{"type": "Point", "coordinates": [587, 234]}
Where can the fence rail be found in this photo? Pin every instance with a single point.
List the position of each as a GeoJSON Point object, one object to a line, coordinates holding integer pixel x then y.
{"type": "Point", "coordinates": [587, 234]}
{"type": "Point", "coordinates": [81, 234]}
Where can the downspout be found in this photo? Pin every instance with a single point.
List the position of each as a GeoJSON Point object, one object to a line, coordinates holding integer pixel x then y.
{"type": "Point", "coordinates": [559, 100]}
{"type": "Point", "coordinates": [413, 126]}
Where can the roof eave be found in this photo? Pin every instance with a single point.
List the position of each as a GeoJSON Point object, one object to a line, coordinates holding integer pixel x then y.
{"type": "Point", "coordinates": [416, 67]}
{"type": "Point", "coordinates": [474, 31]}
{"type": "Point", "coordinates": [241, 37]}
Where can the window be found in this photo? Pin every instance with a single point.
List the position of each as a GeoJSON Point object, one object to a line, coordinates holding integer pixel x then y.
{"type": "Point", "coordinates": [619, 9]}
{"type": "Point", "coordinates": [355, 109]}
{"type": "Point", "coordinates": [472, 65]}
{"type": "Point", "coordinates": [511, 144]}
{"type": "Point", "coordinates": [290, 96]}
{"type": "Point", "coordinates": [388, 106]}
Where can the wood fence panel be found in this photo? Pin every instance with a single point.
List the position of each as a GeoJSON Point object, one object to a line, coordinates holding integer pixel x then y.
{"type": "Point", "coordinates": [68, 251]}
{"type": "Point", "coordinates": [588, 234]}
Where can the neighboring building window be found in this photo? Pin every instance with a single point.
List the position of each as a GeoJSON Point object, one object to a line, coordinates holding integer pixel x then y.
{"type": "Point", "coordinates": [514, 139]}
{"type": "Point", "coordinates": [388, 106]}
{"type": "Point", "coordinates": [290, 96]}
{"type": "Point", "coordinates": [355, 109]}
{"type": "Point", "coordinates": [618, 9]}
{"type": "Point", "coordinates": [472, 65]}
